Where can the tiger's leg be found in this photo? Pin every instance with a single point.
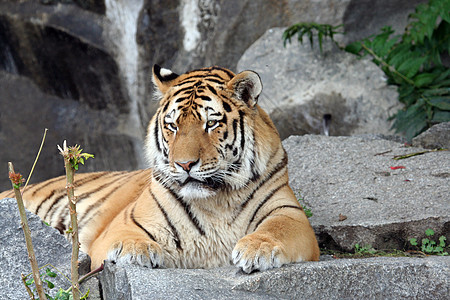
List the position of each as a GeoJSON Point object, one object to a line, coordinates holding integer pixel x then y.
{"type": "Point", "coordinates": [126, 242]}
{"type": "Point", "coordinates": [284, 236]}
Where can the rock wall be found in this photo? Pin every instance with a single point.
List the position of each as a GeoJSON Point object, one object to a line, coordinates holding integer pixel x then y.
{"type": "Point", "coordinates": [301, 85]}
{"type": "Point", "coordinates": [82, 68]}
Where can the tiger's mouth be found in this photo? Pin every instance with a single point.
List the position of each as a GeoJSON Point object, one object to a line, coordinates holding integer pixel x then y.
{"type": "Point", "coordinates": [194, 189]}
{"type": "Point", "coordinates": [207, 182]}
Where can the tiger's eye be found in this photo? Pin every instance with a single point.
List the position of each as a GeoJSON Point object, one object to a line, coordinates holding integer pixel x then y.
{"type": "Point", "coordinates": [211, 123]}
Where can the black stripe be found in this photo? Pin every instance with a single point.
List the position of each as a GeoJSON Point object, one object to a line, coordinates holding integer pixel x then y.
{"type": "Point", "coordinates": [228, 72]}
{"type": "Point", "coordinates": [235, 122]}
{"type": "Point", "coordinates": [166, 106]}
{"type": "Point", "coordinates": [205, 98]}
{"type": "Point", "coordinates": [53, 206]}
{"type": "Point", "coordinates": [188, 88]}
{"type": "Point", "coordinates": [270, 212]}
{"type": "Point", "coordinates": [187, 209]}
{"type": "Point", "coordinates": [116, 175]}
{"type": "Point", "coordinates": [226, 106]}
{"type": "Point", "coordinates": [255, 175]}
{"type": "Point", "coordinates": [156, 132]}
{"type": "Point", "coordinates": [60, 226]}
{"type": "Point", "coordinates": [269, 176]}
{"type": "Point", "coordinates": [211, 89]}
{"type": "Point", "coordinates": [199, 116]}
{"type": "Point", "coordinates": [186, 82]}
{"type": "Point", "coordinates": [94, 176]}
{"type": "Point", "coordinates": [205, 77]}
{"type": "Point", "coordinates": [51, 194]}
{"type": "Point", "coordinates": [172, 227]}
{"type": "Point", "coordinates": [241, 123]}
{"type": "Point", "coordinates": [140, 226]}
{"type": "Point", "coordinates": [182, 99]}
{"type": "Point", "coordinates": [92, 209]}
{"type": "Point", "coordinates": [261, 204]}
{"type": "Point", "coordinates": [38, 208]}
{"type": "Point", "coordinates": [44, 184]}
{"type": "Point", "coordinates": [215, 81]}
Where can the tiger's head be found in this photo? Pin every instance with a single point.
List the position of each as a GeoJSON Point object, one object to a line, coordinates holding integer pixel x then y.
{"type": "Point", "coordinates": [208, 134]}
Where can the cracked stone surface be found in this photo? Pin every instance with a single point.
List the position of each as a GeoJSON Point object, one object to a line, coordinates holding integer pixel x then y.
{"type": "Point", "coordinates": [372, 278]}
{"type": "Point", "coordinates": [352, 176]}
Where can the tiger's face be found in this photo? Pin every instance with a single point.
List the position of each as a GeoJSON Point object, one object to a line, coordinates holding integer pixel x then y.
{"type": "Point", "coordinates": [198, 141]}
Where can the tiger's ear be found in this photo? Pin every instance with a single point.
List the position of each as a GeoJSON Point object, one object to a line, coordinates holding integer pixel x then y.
{"type": "Point", "coordinates": [247, 86]}
{"type": "Point", "coordinates": [163, 78]}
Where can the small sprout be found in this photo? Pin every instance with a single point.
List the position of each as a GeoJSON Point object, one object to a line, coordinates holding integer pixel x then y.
{"type": "Point", "coordinates": [429, 232]}
{"type": "Point", "coordinates": [16, 179]}
{"type": "Point", "coordinates": [364, 250]}
{"type": "Point", "coordinates": [73, 154]}
{"type": "Point", "coordinates": [306, 209]}
{"type": "Point", "coordinates": [430, 246]}
{"type": "Point", "coordinates": [308, 212]}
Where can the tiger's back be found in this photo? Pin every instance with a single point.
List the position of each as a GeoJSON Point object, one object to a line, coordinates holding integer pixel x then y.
{"type": "Point", "coordinates": [217, 190]}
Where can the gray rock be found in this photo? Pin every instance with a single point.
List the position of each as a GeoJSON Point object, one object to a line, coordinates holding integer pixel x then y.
{"type": "Point", "coordinates": [363, 18]}
{"type": "Point", "coordinates": [57, 72]}
{"type": "Point", "coordinates": [49, 245]}
{"type": "Point", "coordinates": [436, 137]}
{"type": "Point", "coordinates": [375, 278]}
{"type": "Point", "coordinates": [353, 177]}
{"type": "Point", "coordinates": [28, 111]}
{"type": "Point", "coordinates": [301, 85]}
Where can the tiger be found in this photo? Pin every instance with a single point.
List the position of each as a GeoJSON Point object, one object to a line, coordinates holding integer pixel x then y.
{"type": "Point", "coordinates": [216, 192]}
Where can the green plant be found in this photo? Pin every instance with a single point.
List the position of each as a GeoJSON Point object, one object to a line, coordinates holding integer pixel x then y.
{"type": "Point", "coordinates": [46, 276]}
{"type": "Point", "coordinates": [412, 62]}
{"type": "Point", "coordinates": [306, 209]}
{"type": "Point", "coordinates": [310, 29]}
{"type": "Point", "coordinates": [363, 250]}
{"type": "Point", "coordinates": [72, 157]}
{"type": "Point", "coordinates": [429, 246]}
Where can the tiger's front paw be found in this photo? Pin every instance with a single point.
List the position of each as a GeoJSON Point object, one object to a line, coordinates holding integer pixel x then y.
{"type": "Point", "coordinates": [258, 252]}
{"type": "Point", "coordinates": [143, 253]}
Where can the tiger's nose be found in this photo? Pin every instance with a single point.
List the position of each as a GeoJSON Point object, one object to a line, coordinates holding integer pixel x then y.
{"type": "Point", "coordinates": [187, 165]}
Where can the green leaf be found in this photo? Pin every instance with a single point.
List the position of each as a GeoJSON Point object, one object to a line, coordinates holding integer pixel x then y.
{"type": "Point", "coordinates": [85, 296]}
{"type": "Point", "coordinates": [438, 249]}
{"type": "Point", "coordinates": [442, 241]}
{"type": "Point", "coordinates": [51, 274]}
{"type": "Point", "coordinates": [442, 103]}
{"type": "Point", "coordinates": [440, 116]}
{"type": "Point", "coordinates": [424, 79]}
{"type": "Point", "coordinates": [429, 232]}
{"type": "Point", "coordinates": [49, 284]}
{"type": "Point", "coordinates": [445, 13]}
{"type": "Point", "coordinates": [354, 48]}
{"type": "Point", "coordinates": [409, 67]}
{"type": "Point", "coordinates": [413, 241]}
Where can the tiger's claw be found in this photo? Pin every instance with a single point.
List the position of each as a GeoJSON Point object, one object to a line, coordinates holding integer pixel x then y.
{"type": "Point", "coordinates": [143, 253]}
{"type": "Point", "coordinates": [257, 253]}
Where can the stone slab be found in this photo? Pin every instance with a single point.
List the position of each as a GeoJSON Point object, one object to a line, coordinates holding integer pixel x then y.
{"type": "Point", "coordinates": [373, 278]}
{"type": "Point", "coordinates": [352, 176]}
